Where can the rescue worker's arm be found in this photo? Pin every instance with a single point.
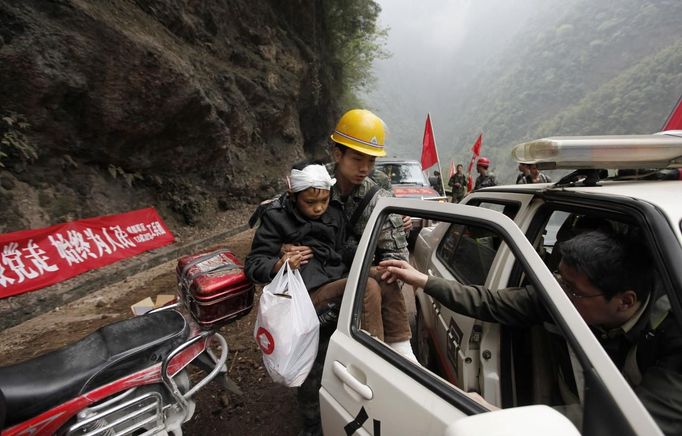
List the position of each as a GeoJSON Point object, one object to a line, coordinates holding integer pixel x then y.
{"type": "Point", "coordinates": [392, 242]}
{"type": "Point", "coordinates": [511, 306]}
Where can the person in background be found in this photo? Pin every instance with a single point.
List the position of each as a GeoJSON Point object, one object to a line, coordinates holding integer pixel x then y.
{"type": "Point", "coordinates": [485, 177]}
{"type": "Point", "coordinates": [535, 176]}
{"type": "Point", "coordinates": [458, 183]}
{"type": "Point", "coordinates": [436, 182]}
{"type": "Point", "coordinates": [358, 140]}
{"type": "Point", "coordinates": [609, 277]}
{"type": "Point", "coordinates": [523, 174]}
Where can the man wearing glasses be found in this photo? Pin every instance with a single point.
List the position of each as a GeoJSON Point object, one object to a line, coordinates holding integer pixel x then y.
{"type": "Point", "coordinates": [609, 279]}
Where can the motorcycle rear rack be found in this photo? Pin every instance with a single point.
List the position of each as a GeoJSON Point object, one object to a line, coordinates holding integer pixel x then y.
{"type": "Point", "coordinates": [183, 399]}
{"type": "Point", "coordinates": [150, 403]}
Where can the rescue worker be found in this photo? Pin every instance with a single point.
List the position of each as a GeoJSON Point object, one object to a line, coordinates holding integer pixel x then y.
{"type": "Point", "coordinates": [524, 172]}
{"type": "Point", "coordinates": [458, 183]}
{"type": "Point", "coordinates": [609, 278]}
{"type": "Point", "coordinates": [535, 175]}
{"type": "Point", "coordinates": [437, 182]}
{"type": "Point", "coordinates": [358, 139]}
{"type": "Point", "coordinates": [485, 178]}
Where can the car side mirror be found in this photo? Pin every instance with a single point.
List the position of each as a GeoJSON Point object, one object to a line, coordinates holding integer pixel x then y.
{"type": "Point", "coordinates": [523, 421]}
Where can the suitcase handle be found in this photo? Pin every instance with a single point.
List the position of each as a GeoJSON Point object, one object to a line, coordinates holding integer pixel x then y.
{"type": "Point", "coordinates": [201, 259]}
{"type": "Point", "coordinates": [227, 267]}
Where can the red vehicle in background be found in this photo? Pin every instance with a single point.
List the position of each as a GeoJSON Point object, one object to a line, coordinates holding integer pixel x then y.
{"type": "Point", "coordinates": [408, 181]}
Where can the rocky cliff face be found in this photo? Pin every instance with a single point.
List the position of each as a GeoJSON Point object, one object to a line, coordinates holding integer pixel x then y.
{"type": "Point", "coordinates": [189, 106]}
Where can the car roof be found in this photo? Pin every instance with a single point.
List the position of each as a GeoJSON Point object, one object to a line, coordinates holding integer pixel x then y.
{"type": "Point", "coordinates": [661, 150]}
{"type": "Point", "coordinates": [664, 194]}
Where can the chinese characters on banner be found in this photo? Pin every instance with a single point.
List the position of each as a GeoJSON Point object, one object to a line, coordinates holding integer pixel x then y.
{"type": "Point", "coordinates": [33, 259]}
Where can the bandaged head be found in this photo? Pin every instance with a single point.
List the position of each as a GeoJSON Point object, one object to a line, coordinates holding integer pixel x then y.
{"type": "Point", "coordinates": [312, 176]}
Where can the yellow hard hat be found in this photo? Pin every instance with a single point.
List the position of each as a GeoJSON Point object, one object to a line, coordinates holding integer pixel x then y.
{"type": "Point", "coordinates": [362, 131]}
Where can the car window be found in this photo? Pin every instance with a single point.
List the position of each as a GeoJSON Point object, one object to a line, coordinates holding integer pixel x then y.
{"type": "Point", "coordinates": [562, 225]}
{"type": "Point", "coordinates": [404, 173]}
{"type": "Point", "coordinates": [468, 252]}
{"type": "Point", "coordinates": [508, 208]}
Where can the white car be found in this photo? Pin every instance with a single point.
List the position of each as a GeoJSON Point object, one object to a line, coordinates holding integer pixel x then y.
{"type": "Point", "coordinates": [469, 367]}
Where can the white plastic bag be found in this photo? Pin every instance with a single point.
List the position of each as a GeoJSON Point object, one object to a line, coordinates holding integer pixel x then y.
{"type": "Point", "coordinates": [287, 329]}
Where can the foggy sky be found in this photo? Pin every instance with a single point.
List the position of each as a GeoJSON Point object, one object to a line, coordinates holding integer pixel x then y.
{"type": "Point", "coordinates": [437, 47]}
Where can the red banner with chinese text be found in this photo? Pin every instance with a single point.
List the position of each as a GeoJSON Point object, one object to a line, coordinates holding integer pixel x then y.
{"type": "Point", "coordinates": [33, 259]}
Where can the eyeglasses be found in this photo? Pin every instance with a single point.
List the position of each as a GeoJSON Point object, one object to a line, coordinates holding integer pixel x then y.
{"type": "Point", "coordinates": [569, 290]}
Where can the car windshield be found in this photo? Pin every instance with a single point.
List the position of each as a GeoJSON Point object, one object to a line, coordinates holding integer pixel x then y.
{"type": "Point", "coordinates": [408, 173]}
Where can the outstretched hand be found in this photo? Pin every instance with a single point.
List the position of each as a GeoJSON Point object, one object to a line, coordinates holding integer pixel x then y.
{"type": "Point", "coordinates": [392, 270]}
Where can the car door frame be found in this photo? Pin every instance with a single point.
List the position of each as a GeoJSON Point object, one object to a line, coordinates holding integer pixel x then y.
{"type": "Point", "coordinates": [355, 348]}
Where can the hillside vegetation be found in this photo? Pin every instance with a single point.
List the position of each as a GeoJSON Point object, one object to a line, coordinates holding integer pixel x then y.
{"type": "Point", "coordinates": [573, 67]}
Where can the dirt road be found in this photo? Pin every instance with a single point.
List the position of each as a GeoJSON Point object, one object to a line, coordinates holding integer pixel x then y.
{"type": "Point", "coordinates": [264, 408]}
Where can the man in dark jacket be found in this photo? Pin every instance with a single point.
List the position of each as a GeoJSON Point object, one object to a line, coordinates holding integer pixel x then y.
{"type": "Point", "coordinates": [458, 183]}
{"type": "Point", "coordinates": [485, 177]}
{"type": "Point", "coordinates": [608, 278]}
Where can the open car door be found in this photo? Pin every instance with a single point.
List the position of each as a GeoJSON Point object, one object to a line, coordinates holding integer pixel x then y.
{"type": "Point", "coordinates": [367, 388]}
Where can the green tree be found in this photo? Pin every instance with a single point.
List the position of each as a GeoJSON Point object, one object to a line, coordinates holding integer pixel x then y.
{"type": "Point", "coordinates": [355, 40]}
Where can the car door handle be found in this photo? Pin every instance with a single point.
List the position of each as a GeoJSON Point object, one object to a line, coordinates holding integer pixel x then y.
{"type": "Point", "coordinates": [349, 379]}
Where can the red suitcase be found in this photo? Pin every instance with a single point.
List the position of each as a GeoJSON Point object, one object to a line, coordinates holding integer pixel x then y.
{"type": "Point", "coordinates": [214, 287]}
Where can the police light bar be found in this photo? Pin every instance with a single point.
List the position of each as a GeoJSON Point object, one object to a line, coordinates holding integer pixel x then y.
{"type": "Point", "coordinates": [661, 150]}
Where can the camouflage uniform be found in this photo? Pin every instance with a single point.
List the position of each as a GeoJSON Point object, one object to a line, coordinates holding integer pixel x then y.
{"type": "Point", "coordinates": [485, 181]}
{"type": "Point", "coordinates": [392, 242]}
{"type": "Point", "coordinates": [458, 193]}
{"type": "Point", "coordinates": [381, 179]}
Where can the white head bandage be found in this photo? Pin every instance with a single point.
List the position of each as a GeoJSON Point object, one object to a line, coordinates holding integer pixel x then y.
{"type": "Point", "coordinates": [312, 176]}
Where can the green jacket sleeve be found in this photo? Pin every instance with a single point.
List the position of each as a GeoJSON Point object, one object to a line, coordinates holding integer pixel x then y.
{"type": "Point", "coordinates": [519, 307]}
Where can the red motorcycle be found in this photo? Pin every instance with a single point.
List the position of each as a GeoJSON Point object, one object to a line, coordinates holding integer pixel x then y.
{"type": "Point", "coordinates": [130, 377]}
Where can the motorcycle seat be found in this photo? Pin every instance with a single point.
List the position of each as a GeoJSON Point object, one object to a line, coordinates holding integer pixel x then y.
{"type": "Point", "coordinates": [110, 353]}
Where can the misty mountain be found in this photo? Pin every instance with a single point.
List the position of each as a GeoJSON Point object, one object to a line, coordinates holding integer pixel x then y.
{"type": "Point", "coordinates": [545, 68]}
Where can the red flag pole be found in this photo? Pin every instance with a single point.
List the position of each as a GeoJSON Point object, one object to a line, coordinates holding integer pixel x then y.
{"type": "Point", "coordinates": [476, 150]}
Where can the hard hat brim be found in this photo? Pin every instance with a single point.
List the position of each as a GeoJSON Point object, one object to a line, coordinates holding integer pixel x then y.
{"type": "Point", "coordinates": [364, 148]}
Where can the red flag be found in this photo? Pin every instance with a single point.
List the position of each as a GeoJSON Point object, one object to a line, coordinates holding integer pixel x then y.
{"type": "Point", "coordinates": [452, 169]}
{"type": "Point", "coordinates": [674, 121]}
{"type": "Point", "coordinates": [470, 183]}
{"type": "Point", "coordinates": [429, 156]}
{"type": "Point", "coordinates": [476, 149]}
